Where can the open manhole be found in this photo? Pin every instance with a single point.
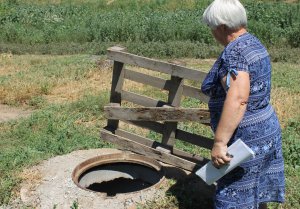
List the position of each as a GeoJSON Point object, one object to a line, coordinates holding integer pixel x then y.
{"type": "Point", "coordinates": [118, 173]}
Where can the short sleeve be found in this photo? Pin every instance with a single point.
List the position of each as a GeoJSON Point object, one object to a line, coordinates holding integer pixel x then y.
{"type": "Point", "coordinates": [232, 60]}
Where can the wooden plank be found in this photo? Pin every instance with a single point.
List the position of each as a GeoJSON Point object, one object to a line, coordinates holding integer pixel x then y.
{"type": "Point", "coordinates": [169, 132]}
{"type": "Point", "coordinates": [156, 65]}
{"type": "Point", "coordinates": [175, 93]}
{"type": "Point", "coordinates": [156, 114]}
{"type": "Point", "coordinates": [137, 138]}
{"type": "Point", "coordinates": [148, 80]}
{"type": "Point", "coordinates": [116, 86]}
{"type": "Point", "coordinates": [190, 157]}
{"type": "Point", "coordinates": [156, 145]}
{"type": "Point", "coordinates": [194, 139]}
{"type": "Point", "coordinates": [128, 144]}
{"type": "Point", "coordinates": [141, 100]}
{"type": "Point", "coordinates": [174, 99]}
{"type": "Point", "coordinates": [180, 134]}
{"type": "Point", "coordinates": [164, 84]}
{"type": "Point", "coordinates": [195, 93]}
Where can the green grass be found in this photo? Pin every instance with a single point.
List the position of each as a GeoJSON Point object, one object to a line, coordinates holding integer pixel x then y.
{"type": "Point", "coordinates": [54, 130]}
{"type": "Point", "coordinates": [287, 76]}
{"type": "Point", "coordinates": [64, 27]}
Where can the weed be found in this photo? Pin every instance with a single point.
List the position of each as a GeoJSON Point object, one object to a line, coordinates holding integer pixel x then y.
{"type": "Point", "coordinates": [171, 28]}
{"type": "Point", "coordinates": [75, 205]}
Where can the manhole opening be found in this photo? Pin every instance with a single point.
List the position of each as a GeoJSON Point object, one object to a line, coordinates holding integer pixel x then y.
{"type": "Point", "coordinates": [118, 177]}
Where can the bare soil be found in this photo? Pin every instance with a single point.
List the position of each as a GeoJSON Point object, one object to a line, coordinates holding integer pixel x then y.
{"type": "Point", "coordinates": [50, 185]}
{"type": "Point", "coordinates": [8, 113]}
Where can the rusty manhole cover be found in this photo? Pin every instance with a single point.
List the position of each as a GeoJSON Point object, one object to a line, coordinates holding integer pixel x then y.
{"type": "Point", "coordinates": [118, 173]}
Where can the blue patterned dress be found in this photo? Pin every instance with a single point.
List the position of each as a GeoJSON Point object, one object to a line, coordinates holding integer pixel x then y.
{"type": "Point", "coordinates": [261, 179]}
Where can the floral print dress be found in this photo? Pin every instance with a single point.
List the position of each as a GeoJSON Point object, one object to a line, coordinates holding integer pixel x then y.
{"type": "Point", "coordinates": [261, 179]}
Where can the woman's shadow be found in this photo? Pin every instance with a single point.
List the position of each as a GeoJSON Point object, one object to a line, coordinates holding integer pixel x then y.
{"type": "Point", "coordinates": [190, 190]}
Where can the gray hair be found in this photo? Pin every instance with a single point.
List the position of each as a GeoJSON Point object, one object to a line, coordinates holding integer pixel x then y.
{"type": "Point", "coordinates": [225, 12]}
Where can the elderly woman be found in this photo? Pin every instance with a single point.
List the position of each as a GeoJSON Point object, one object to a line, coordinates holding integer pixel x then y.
{"type": "Point", "coordinates": [239, 86]}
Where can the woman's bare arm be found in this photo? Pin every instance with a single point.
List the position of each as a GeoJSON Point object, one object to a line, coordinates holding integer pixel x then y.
{"type": "Point", "coordinates": [233, 111]}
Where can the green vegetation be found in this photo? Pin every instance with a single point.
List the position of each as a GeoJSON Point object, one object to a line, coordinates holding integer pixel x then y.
{"type": "Point", "coordinates": [91, 26]}
{"type": "Point", "coordinates": [55, 130]}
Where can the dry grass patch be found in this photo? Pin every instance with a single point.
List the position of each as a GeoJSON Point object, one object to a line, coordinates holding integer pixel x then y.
{"type": "Point", "coordinates": [28, 175]}
{"type": "Point", "coordinates": [96, 81]}
{"type": "Point", "coordinates": [56, 78]}
{"type": "Point", "coordinates": [7, 70]}
{"type": "Point", "coordinates": [92, 122]}
{"type": "Point", "coordinates": [199, 64]}
{"type": "Point", "coordinates": [27, 76]}
{"type": "Point", "coordinates": [286, 104]}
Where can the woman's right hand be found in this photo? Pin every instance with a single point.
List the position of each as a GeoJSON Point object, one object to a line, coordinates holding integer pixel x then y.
{"type": "Point", "coordinates": [219, 155]}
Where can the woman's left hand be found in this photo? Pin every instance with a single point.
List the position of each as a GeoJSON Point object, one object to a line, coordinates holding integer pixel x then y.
{"type": "Point", "coordinates": [219, 155]}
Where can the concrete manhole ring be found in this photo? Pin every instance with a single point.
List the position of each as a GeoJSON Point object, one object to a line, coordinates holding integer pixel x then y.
{"type": "Point", "coordinates": [118, 173]}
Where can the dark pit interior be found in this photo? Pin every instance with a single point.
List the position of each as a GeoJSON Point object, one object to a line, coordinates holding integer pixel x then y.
{"type": "Point", "coordinates": [119, 185]}
{"type": "Point", "coordinates": [118, 178]}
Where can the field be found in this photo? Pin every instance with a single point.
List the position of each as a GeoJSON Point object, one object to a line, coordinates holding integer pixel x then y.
{"type": "Point", "coordinates": [56, 67]}
{"type": "Point", "coordinates": [156, 28]}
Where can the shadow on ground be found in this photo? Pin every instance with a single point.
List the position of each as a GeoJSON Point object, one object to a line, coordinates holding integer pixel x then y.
{"type": "Point", "coordinates": [190, 190]}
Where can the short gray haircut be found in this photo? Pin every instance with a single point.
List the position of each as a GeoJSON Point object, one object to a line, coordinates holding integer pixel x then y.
{"type": "Point", "coordinates": [225, 12]}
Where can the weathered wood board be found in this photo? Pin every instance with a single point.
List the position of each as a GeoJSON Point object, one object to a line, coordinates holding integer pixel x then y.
{"type": "Point", "coordinates": [155, 115]}
{"type": "Point", "coordinates": [127, 144]}
{"type": "Point", "coordinates": [120, 55]}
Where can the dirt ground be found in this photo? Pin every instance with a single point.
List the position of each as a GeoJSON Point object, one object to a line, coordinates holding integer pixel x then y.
{"type": "Point", "coordinates": [50, 185]}
{"type": "Point", "coordinates": [8, 113]}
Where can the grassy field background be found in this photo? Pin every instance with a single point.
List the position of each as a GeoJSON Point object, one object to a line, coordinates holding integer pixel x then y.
{"type": "Point", "coordinates": [155, 28]}
{"type": "Point", "coordinates": [57, 67]}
